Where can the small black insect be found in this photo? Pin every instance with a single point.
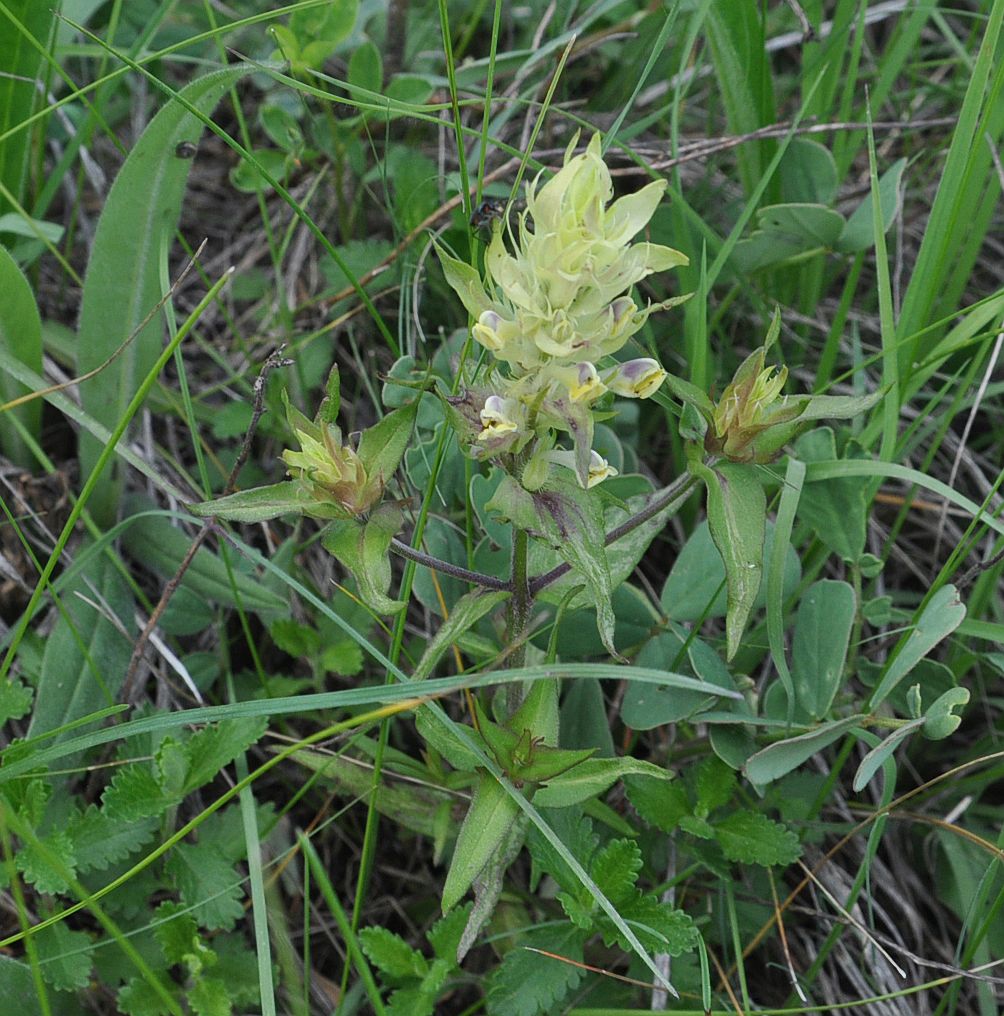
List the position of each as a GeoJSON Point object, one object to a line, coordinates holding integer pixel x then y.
{"type": "Point", "coordinates": [488, 212]}
{"type": "Point", "coordinates": [186, 149]}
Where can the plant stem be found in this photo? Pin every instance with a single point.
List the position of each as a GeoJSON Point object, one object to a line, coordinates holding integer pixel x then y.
{"type": "Point", "coordinates": [455, 571]}
{"type": "Point", "coordinates": [520, 608]}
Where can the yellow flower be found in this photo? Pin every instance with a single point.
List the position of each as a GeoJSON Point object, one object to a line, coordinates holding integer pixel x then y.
{"type": "Point", "coordinates": [636, 379]}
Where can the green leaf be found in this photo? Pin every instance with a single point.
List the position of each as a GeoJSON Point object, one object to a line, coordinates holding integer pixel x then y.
{"type": "Point", "coordinates": [17, 987]}
{"type": "Point", "coordinates": [940, 720]}
{"type": "Point", "coordinates": [207, 882]}
{"type": "Point", "coordinates": [100, 840]}
{"type": "Point", "coordinates": [775, 760]}
{"type": "Point", "coordinates": [808, 173]}
{"type": "Point", "coordinates": [615, 870]}
{"type": "Point", "coordinates": [256, 505]}
{"type": "Point", "coordinates": [875, 759]}
{"type": "Point", "coordinates": [391, 955]}
{"type": "Point", "coordinates": [486, 826]}
{"type": "Point", "coordinates": [123, 283]}
{"type": "Point", "coordinates": [528, 983]}
{"type": "Point", "coordinates": [364, 549]}
{"type": "Point", "coordinates": [942, 615]}
{"type": "Point", "coordinates": [749, 837]}
{"type": "Point", "coordinates": [714, 784]}
{"type": "Point", "coordinates": [210, 997]}
{"type": "Point", "coordinates": [737, 514]}
{"type": "Point", "coordinates": [382, 446]}
{"type": "Point", "coordinates": [660, 804]}
{"type": "Point", "coordinates": [139, 998]}
{"type": "Point", "coordinates": [87, 654]}
{"type": "Point", "coordinates": [178, 934]}
{"type": "Point", "coordinates": [134, 793]}
{"type": "Point", "coordinates": [15, 699]}
{"type": "Point", "coordinates": [161, 546]}
{"type": "Point", "coordinates": [819, 646]}
{"type": "Point", "coordinates": [319, 30]}
{"type": "Point", "coordinates": [834, 508]}
{"type": "Point", "coordinates": [660, 927]}
{"type": "Point", "coordinates": [65, 956]}
{"type": "Point", "coordinates": [591, 778]}
{"type": "Point", "coordinates": [465, 281]}
{"type": "Point", "coordinates": [444, 936]}
{"type": "Point", "coordinates": [858, 233]}
{"type": "Point", "coordinates": [410, 1002]}
{"type": "Point", "coordinates": [216, 746]}
{"type": "Point", "coordinates": [22, 51]}
{"type": "Point", "coordinates": [20, 339]}
{"type": "Point", "coordinates": [366, 67]}
{"type": "Point", "coordinates": [571, 521]}
{"type": "Point", "coordinates": [47, 862]}
{"type": "Point", "coordinates": [575, 832]}
{"type": "Point", "coordinates": [695, 588]}
{"type": "Point", "coordinates": [787, 231]}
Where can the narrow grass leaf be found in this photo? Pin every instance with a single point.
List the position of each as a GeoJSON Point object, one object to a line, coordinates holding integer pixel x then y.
{"type": "Point", "coordinates": [20, 339]}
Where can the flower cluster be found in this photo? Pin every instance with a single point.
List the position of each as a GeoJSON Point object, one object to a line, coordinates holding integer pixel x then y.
{"type": "Point", "coordinates": [555, 309]}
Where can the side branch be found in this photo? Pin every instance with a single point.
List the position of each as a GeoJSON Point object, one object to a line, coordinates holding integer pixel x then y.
{"type": "Point", "coordinates": [674, 496]}
{"type": "Point", "coordinates": [454, 571]}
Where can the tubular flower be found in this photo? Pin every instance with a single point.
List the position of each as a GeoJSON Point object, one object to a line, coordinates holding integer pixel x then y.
{"type": "Point", "coordinates": [331, 471]}
{"type": "Point", "coordinates": [555, 302]}
{"type": "Point", "coordinates": [599, 468]}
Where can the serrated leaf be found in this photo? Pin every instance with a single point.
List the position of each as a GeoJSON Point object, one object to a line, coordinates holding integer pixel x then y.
{"type": "Point", "coordinates": [15, 699]}
{"type": "Point", "coordinates": [942, 615]}
{"type": "Point", "coordinates": [528, 983]}
{"type": "Point", "coordinates": [444, 936]}
{"type": "Point", "coordinates": [178, 934]}
{"type": "Point", "coordinates": [216, 746]}
{"type": "Point", "coordinates": [737, 516]}
{"type": "Point", "coordinates": [207, 882]}
{"type": "Point", "coordinates": [660, 927]}
{"type": "Point", "coordinates": [615, 870]}
{"type": "Point", "coordinates": [410, 1002]}
{"type": "Point", "coordinates": [138, 998]}
{"type": "Point", "coordinates": [575, 831]}
{"type": "Point", "coordinates": [660, 804]}
{"type": "Point", "coordinates": [391, 955]}
{"type": "Point", "coordinates": [714, 784]}
{"type": "Point", "coordinates": [99, 840]}
{"type": "Point", "coordinates": [134, 793]}
{"type": "Point", "coordinates": [749, 837]}
{"type": "Point", "coordinates": [65, 956]}
{"type": "Point", "coordinates": [47, 863]}
{"type": "Point", "coordinates": [171, 762]}
{"type": "Point", "coordinates": [209, 997]}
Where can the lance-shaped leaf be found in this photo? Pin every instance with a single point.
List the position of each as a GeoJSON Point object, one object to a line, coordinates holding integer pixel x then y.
{"type": "Point", "coordinates": [256, 505]}
{"type": "Point", "coordinates": [492, 812]}
{"type": "Point", "coordinates": [383, 445]}
{"type": "Point", "coordinates": [20, 339]}
{"type": "Point", "coordinates": [570, 520]}
{"type": "Point", "coordinates": [466, 283]}
{"type": "Point", "coordinates": [123, 283]}
{"type": "Point", "coordinates": [737, 518]}
{"type": "Point", "coordinates": [364, 549]}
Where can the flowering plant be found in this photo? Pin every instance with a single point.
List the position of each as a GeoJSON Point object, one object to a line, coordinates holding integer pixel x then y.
{"type": "Point", "coordinates": [556, 310]}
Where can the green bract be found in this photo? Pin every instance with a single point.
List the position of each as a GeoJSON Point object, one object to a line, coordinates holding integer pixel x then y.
{"type": "Point", "coordinates": [554, 307]}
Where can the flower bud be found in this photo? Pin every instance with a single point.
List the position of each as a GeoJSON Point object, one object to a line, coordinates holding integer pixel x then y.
{"type": "Point", "coordinates": [636, 379]}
